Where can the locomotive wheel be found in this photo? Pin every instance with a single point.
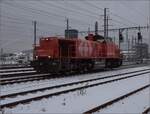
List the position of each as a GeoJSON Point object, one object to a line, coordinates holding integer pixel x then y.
{"type": "Point", "coordinates": [108, 64]}
{"type": "Point", "coordinates": [82, 67]}
{"type": "Point", "coordinates": [120, 62]}
{"type": "Point", "coordinates": [90, 66]}
{"type": "Point", "coordinates": [37, 69]}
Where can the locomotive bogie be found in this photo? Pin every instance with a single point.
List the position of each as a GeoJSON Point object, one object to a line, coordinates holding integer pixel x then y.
{"type": "Point", "coordinates": [63, 65]}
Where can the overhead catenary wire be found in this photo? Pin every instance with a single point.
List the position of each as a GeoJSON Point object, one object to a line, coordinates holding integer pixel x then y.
{"type": "Point", "coordinates": [42, 12]}
{"type": "Point", "coordinates": [112, 20]}
{"type": "Point", "coordinates": [93, 5]}
{"type": "Point", "coordinates": [132, 9]}
{"type": "Point", "coordinates": [99, 8]}
{"type": "Point", "coordinates": [116, 21]}
{"type": "Point", "coordinates": [70, 10]}
{"type": "Point", "coordinates": [56, 25]}
{"type": "Point", "coordinates": [27, 21]}
{"type": "Point", "coordinates": [83, 9]}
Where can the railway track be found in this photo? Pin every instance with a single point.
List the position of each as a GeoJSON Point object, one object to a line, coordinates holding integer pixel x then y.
{"type": "Point", "coordinates": [17, 73]}
{"type": "Point", "coordinates": [22, 71]}
{"type": "Point", "coordinates": [68, 87]}
{"type": "Point", "coordinates": [67, 84]}
{"type": "Point", "coordinates": [146, 111]}
{"type": "Point", "coordinates": [16, 70]}
{"type": "Point", "coordinates": [33, 76]}
{"type": "Point", "coordinates": [102, 106]}
{"type": "Point", "coordinates": [3, 67]}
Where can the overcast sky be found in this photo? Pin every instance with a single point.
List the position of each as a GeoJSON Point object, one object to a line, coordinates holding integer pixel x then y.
{"type": "Point", "coordinates": [17, 16]}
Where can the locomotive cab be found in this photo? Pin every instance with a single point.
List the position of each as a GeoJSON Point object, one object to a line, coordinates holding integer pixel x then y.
{"type": "Point", "coordinates": [43, 51]}
{"type": "Point", "coordinates": [45, 54]}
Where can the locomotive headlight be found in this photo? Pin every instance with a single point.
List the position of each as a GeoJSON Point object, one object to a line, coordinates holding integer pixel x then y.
{"type": "Point", "coordinates": [49, 56]}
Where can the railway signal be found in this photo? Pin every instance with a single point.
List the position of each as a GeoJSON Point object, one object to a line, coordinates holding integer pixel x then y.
{"type": "Point", "coordinates": [121, 37]}
{"type": "Point", "coordinates": [139, 36]}
{"type": "Point", "coordinates": [35, 35]}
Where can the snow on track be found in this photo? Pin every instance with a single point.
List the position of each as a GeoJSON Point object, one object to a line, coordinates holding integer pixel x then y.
{"type": "Point", "coordinates": [134, 104]}
{"type": "Point", "coordinates": [15, 69]}
{"type": "Point", "coordinates": [13, 73]}
{"type": "Point", "coordinates": [7, 100]}
{"type": "Point", "coordinates": [80, 101]}
{"type": "Point", "coordinates": [7, 89]}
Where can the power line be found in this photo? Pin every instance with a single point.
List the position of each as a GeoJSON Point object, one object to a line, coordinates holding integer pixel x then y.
{"type": "Point", "coordinates": [33, 11]}
{"type": "Point", "coordinates": [119, 22]}
{"type": "Point", "coordinates": [70, 10]}
{"type": "Point", "coordinates": [123, 28]}
{"type": "Point", "coordinates": [102, 10]}
{"type": "Point", "coordinates": [27, 21]}
{"type": "Point", "coordinates": [132, 9]}
{"type": "Point", "coordinates": [116, 21]}
{"type": "Point", "coordinates": [14, 22]}
{"type": "Point", "coordinates": [90, 4]}
{"type": "Point", "coordinates": [15, 26]}
{"type": "Point", "coordinates": [41, 12]}
{"type": "Point", "coordinates": [82, 9]}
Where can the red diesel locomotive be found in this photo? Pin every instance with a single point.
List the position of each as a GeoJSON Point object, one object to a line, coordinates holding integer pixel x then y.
{"type": "Point", "coordinates": [54, 54]}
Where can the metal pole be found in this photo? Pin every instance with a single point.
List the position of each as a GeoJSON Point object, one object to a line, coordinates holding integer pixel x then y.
{"type": "Point", "coordinates": [34, 39]}
{"type": "Point", "coordinates": [107, 27]}
{"type": "Point", "coordinates": [119, 38]}
{"type": "Point", "coordinates": [128, 49]}
{"type": "Point", "coordinates": [67, 28]}
{"type": "Point", "coordinates": [0, 33]}
{"type": "Point", "coordinates": [139, 32]}
{"type": "Point", "coordinates": [88, 30]}
{"type": "Point", "coordinates": [132, 45]}
{"type": "Point", "coordinates": [105, 23]}
{"type": "Point", "coordinates": [96, 28]}
{"type": "Point", "coordinates": [149, 33]}
{"type": "Point", "coordinates": [127, 41]}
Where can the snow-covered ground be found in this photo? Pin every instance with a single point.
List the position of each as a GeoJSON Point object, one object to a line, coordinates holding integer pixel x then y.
{"type": "Point", "coordinates": [17, 87]}
{"type": "Point", "coordinates": [136, 103]}
{"type": "Point", "coordinates": [7, 100]}
{"type": "Point", "coordinates": [85, 99]}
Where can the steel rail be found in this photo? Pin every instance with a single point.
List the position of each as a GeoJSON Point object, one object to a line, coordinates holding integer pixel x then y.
{"type": "Point", "coordinates": [13, 67]}
{"type": "Point", "coordinates": [17, 74]}
{"type": "Point", "coordinates": [15, 70]}
{"type": "Point", "coordinates": [11, 104]}
{"type": "Point", "coordinates": [146, 111]}
{"type": "Point", "coordinates": [62, 85]}
{"type": "Point", "coordinates": [67, 84]}
{"type": "Point", "coordinates": [95, 70]}
{"type": "Point", "coordinates": [95, 109]}
{"type": "Point", "coordinates": [26, 80]}
{"type": "Point", "coordinates": [23, 79]}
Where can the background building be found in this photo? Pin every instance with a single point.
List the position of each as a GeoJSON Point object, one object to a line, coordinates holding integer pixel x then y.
{"type": "Point", "coordinates": [141, 51]}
